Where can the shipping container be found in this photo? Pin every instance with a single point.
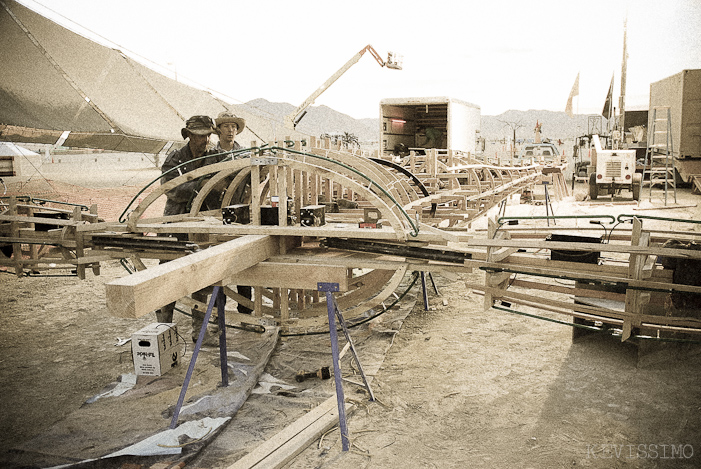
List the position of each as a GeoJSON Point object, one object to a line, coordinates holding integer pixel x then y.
{"type": "Point", "coordinates": [682, 94]}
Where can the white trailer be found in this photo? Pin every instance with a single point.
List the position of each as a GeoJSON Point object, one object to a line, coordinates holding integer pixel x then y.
{"type": "Point", "coordinates": [682, 93]}
{"type": "Point", "coordinates": [420, 123]}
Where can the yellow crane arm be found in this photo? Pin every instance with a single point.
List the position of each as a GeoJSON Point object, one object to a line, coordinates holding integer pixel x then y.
{"type": "Point", "coordinates": [292, 119]}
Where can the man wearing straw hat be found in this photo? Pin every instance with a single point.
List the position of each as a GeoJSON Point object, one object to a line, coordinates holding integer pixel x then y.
{"type": "Point", "coordinates": [228, 126]}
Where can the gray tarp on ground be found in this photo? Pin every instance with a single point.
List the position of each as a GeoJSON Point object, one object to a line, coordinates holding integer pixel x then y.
{"type": "Point", "coordinates": [53, 80]}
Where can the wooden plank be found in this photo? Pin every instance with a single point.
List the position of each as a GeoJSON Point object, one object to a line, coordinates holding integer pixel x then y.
{"type": "Point", "coordinates": [140, 293]}
{"type": "Point", "coordinates": [79, 244]}
{"type": "Point", "coordinates": [281, 177]}
{"type": "Point", "coordinates": [519, 259]}
{"type": "Point", "coordinates": [328, 230]}
{"type": "Point", "coordinates": [302, 440]}
{"type": "Point", "coordinates": [567, 308]}
{"type": "Point", "coordinates": [656, 251]}
{"type": "Point", "coordinates": [594, 277]}
{"type": "Point", "coordinates": [374, 261]}
{"type": "Point", "coordinates": [567, 290]}
{"type": "Point", "coordinates": [289, 442]}
{"type": "Point", "coordinates": [633, 302]}
{"type": "Point", "coordinates": [14, 232]}
{"type": "Point", "coordinates": [255, 194]}
{"type": "Point", "coordinates": [43, 220]}
{"type": "Point", "coordinates": [291, 275]}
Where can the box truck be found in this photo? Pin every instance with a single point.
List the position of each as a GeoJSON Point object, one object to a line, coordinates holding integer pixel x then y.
{"type": "Point", "coordinates": [419, 123]}
{"type": "Point", "coordinates": [682, 94]}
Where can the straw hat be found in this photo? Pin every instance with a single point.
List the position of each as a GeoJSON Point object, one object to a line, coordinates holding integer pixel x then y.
{"type": "Point", "coordinates": [227, 116]}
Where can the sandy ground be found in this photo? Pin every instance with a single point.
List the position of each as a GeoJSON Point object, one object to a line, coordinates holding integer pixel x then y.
{"type": "Point", "coordinates": [460, 386]}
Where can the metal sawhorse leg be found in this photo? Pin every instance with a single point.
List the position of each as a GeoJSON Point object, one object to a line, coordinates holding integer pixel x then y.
{"type": "Point", "coordinates": [218, 298]}
{"type": "Point", "coordinates": [335, 313]}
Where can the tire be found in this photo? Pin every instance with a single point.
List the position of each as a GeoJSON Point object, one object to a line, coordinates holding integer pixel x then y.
{"type": "Point", "coordinates": [593, 187]}
{"type": "Point", "coordinates": [637, 185]}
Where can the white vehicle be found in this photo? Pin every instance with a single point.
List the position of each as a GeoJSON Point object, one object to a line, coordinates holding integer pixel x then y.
{"type": "Point", "coordinates": [537, 153]}
{"type": "Point", "coordinates": [614, 170]}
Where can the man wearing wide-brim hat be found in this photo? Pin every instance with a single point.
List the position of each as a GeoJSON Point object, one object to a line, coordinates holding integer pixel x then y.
{"type": "Point", "coordinates": [228, 126]}
{"type": "Point", "coordinates": [195, 154]}
{"type": "Point", "coordinates": [196, 131]}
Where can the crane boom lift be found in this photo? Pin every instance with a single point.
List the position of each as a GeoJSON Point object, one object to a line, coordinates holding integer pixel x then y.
{"type": "Point", "coordinates": [393, 62]}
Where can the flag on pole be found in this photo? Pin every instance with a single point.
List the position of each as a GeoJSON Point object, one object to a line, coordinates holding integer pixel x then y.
{"type": "Point", "coordinates": [607, 105]}
{"type": "Point", "coordinates": [573, 93]}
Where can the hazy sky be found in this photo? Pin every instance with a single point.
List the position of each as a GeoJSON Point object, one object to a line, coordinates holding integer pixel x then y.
{"type": "Point", "coordinates": [500, 55]}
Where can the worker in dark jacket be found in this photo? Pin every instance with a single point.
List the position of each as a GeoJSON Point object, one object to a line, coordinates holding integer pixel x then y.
{"type": "Point", "coordinates": [197, 131]}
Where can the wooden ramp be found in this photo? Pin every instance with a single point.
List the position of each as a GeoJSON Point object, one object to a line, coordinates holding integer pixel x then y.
{"type": "Point", "coordinates": [695, 183]}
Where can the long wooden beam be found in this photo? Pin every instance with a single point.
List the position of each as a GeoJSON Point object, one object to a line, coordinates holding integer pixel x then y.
{"type": "Point", "coordinates": [572, 246]}
{"type": "Point", "coordinates": [295, 275]}
{"type": "Point", "coordinates": [145, 291]}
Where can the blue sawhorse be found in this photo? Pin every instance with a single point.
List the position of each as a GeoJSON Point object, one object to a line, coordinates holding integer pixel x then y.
{"type": "Point", "coordinates": [335, 313]}
{"type": "Point", "coordinates": [218, 298]}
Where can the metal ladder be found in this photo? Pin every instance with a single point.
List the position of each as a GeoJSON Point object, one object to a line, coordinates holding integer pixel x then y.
{"type": "Point", "coordinates": [659, 157]}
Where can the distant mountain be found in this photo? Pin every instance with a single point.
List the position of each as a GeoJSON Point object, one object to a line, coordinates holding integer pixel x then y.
{"type": "Point", "coordinates": [555, 125]}
{"type": "Point", "coordinates": [323, 119]}
{"type": "Point", "coordinates": [317, 121]}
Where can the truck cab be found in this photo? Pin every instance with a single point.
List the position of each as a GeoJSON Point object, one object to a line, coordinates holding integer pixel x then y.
{"type": "Point", "coordinates": [537, 153]}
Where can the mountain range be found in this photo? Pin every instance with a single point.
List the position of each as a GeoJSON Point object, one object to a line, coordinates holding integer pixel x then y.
{"type": "Point", "coordinates": [322, 119]}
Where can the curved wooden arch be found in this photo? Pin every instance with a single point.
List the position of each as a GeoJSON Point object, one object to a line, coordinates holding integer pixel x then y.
{"type": "Point", "coordinates": [376, 173]}
{"type": "Point", "coordinates": [373, 290]}
{"type": "Point", "coordinates": [224, 169]}
{"type": "Point", "coordinates": [136, 214]}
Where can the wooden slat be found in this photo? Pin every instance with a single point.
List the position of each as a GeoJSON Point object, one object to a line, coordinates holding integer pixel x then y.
{"type": "Point", "coordinates": [291, 275]}
{"type": "Point", "coordinates": [571, 309]}
{"type": "Point", "coordinates": [606, 247]}
{"type": "Point", "coordinates": [578, 275]}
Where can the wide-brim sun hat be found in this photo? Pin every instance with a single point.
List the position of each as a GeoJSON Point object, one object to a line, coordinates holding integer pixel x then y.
{"type": "Point", "coordinates": [226, 116]}
{"type": "Point", "coordinates": [198, 125]}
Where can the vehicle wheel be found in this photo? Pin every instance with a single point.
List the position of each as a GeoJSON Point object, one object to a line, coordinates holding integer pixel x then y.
{"type": "Point", "coordinates": [593, 187]}
{"type": "Point", "coordinates": [637, 185]}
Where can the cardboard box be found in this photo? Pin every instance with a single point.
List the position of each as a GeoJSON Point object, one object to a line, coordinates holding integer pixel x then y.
{"type": "Point", "coordinates": [155, 349]}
